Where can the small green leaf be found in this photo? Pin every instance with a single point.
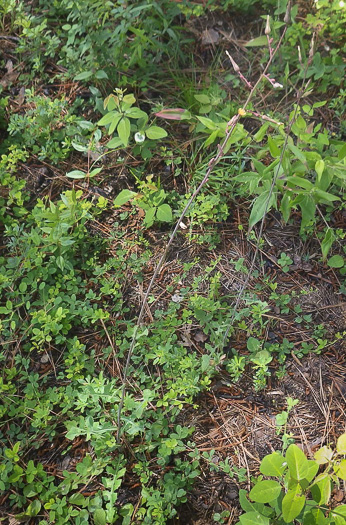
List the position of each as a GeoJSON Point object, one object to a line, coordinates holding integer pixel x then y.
{"type": "Point", "coordinates": [84, 75]}
{"type": "Point", "coordinates": [323, 455]}
{"type": "Point", "coordinates": [155, 133]}
{"type": "Point", "coordinates": [265, 491]}
{"type": "Point", "coordinates": [256, 42]}
{"type": "Point", "coordinates": [340, 469]}
{"type": "Point", "coordinates": [115, 143]}
{"type": "Point", "coordinates": [327, 242]}
{"type": "Point", "coordinates": [292, 505]}
{"type": "Point", "coordinates": [123, 129]}
{"type": "Point", "coordinates": [319, 168]}
{"type": "Point", "coordinates": [135, 113]}
{"type": "Point", "coordinates": [253, 518]}
{"type": "Point", "coordinates": [273, 464]}
{"type": "Point", "coordinates": [321, 489]}
{"type": "Point", "coordinates": [339, 515]}
{"type": "Point", "coordinates": [108, 117]}
{"type": "Point", "coordinates": [203, 99]}
{"type": "Point", "coordinates": [34, 508]}
{"type": "Point", "coordinates": [262, 204]}
{"type": "Point", "coordinates": [129, 99]}
{"type": "Point", "coordinates": [297, 462]}
{"type": "Point", "coordinates": [337, 261]}
{"type": "Point", "coordinates": [273, 147]}
{"type": "Point", "coordinates": [341, 444]}
{"type": "Point", "coordinates": [164, 213]}
{"type": "Point", "coordinates": [100, 517]}
{"type": "Point", "coordinates": [123, 197]}
{"type": "Point", "coordinates": [76, 174]}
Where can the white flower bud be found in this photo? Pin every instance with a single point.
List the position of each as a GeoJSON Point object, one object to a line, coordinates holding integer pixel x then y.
{"type": "Point", "coordinates": [139, 137]}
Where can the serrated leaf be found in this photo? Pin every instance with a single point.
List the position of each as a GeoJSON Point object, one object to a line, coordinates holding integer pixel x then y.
{"type": "Point", "coordinates": [341, 444]}
{"type": "Point", "coordinates": [297, 462]}
{"type": "Point", "coordinates": [265, 491]}
{"type": "Point", "coordinates": [323, 455]}
{"type": "Point", "coordinates": [123, 129]}
{"type": "Point", "coordinates": [164, 213]}
{"type": "Point", "coordinates": [123, 197]}
{"type": "Point", "coordinates": [155, 133]}
{"type": "Point", "coordinates": [292, 505]}
{"type": "Point", "coordinates": [253, 518]}
{"type": "Point", "coordinates": [273, 464]}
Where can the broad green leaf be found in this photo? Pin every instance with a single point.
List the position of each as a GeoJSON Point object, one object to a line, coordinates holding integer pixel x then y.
{"type": "Point", "coordinates": [115, 143]}
{"type": "Point", "coordinates": [273, 147]}
{"type": "Point", "coordinates": [314, 517]}
{"type": "Point", "coordinates": [77, 499]}
{"type": "Point", "coordinates": [285, 207]}
{"type": "Point", "coordinates": [299, 181]}
{"type": "Point", "coordinates": [340, 469]}
{"type": "Point", "coordinates": [123, 129]}
{"type": "Point", "coordinates": [256, 42]}
{"type": "Point", "coordinates": [292, 505]}
{"type": "Point", "coordinates": [108, 117]}
{"type": "Point", "coordinates": [321, 489]}
{"type": "Point", "coordinates": [327, 242]}
{"type": "Point", "coordinates": [308, 208]}
{"type": "Point", "coordinates": [339, 515]}
{"type": "Point", "coordinates": [261, 133]}
{"type": "Point", "coordinates": [100, 517]}
{"type": "Point", "coordinates": [123, 197]}
{"type": "Point", "coordinates": [273, 464]}
{"type": "Point", "coordinates": [100, 74]}
{"type": "Point", "coordinates": [319, 168]}
{"type": "Point", "coordinates": [261, 206]}
{"type": "Point", "coordinates": [155, 133]}
{"type": "Point", "coordinates": [312, 470]}
{"type": "Point", "coordinates": [76, 174]}
{"type": "Point", "coordinates": [253, 518]}
{"type": "Point", "coordinates": [95, 171]}
{"type": "Point", "coordinates": [34, 508]}
{"type": "Point", "coordinates": [203, 99]}
{"type": "Point", "coordinates": [79, 147]}
{"type": "Point", "coordinates": [84, 75]}
{"type": "Point", "coordinates": [207, 122]}
{"type": "Point", "coordinates": [114, 123]}
{"type": "Point", "coordinates": [297, 152]}
{"type": "Point", "coordinates": [164, 213]}
{"type": "Point", "coordinates": [341, 444]}
{"type": "Point", "coordinates": [129, 99]}
{"type": "Point", "coordinates": [247, 505]}
{"type": "Point", "coordinates": [265, 491]}
{"type": "Point", "coordinates": [135, 113]}
{"type": "Point", "coordinates": [297, 462]}
{"type": "Point", "coordinates": [329, 197]}
{"type": "Point", "coordinates": [149, 217]}
{"type": "Point", "coordinates": [337, 261]}
{"type": "Point", "coordinates": [323, 455]}
{"type": "Point", "coordinates": [212, 137]}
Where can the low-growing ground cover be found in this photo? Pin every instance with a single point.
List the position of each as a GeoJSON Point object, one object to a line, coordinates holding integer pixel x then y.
{"type": "Point", "coordinates": [151, 377]}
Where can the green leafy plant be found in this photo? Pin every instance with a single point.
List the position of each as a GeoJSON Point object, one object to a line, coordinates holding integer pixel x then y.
{"type": "Point", "coordinates": [299, 494]}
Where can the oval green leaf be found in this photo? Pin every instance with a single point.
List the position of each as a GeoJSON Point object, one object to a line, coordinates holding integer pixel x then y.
{"type": "Point", "coordinates": [155, 133]}
{"type": "Point", "coordinates": [292, 505]}
{"type": "Point", "coordinates": [297, 462]}
{"type": "Point", "coordinates": [265, 491]}
{"type": "Point", "coordinates": [273, 465]}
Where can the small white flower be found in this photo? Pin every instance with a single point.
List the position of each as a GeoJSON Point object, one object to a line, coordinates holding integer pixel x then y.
{"type": "Point", "coordinates": [277, 85]}
{"type": "Point", "coordinates": [139, 137]}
